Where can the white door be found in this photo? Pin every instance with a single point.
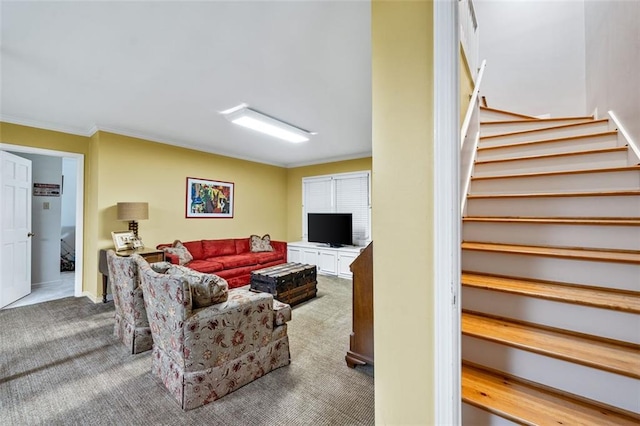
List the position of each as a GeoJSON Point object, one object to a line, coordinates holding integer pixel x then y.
{"type": "Point", "coordinates": [15, 220]}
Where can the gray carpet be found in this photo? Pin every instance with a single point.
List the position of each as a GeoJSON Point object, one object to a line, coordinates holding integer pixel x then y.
{"type": "Point", "coordinates": [60, 364]}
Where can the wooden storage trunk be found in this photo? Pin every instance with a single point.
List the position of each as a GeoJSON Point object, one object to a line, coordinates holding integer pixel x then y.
{"type": "Point", "coordinates": [290, 283]}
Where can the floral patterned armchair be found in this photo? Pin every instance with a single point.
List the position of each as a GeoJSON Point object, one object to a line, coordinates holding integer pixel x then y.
{"type": "Point", "coordinates": [201, 353]}
{"type": "Point", "coordinates": [132, 326]}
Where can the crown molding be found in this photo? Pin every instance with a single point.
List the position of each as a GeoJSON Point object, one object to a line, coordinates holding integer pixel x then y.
{"type": "Point", "coordinates": [48, 126]}
{"type": "Point", "coordinates": [92, 130]}
{"type": "Point", "coordinates": [330, 160]}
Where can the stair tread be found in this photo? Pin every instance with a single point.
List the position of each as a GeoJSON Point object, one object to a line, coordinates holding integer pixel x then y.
{"type": "Point", "coordinates": [502, 111]}
{"type": "Point", "coordinates": [634, 168]}
{"type": "Point", "coordinates": [625, 221]}
{"type": "Point", "coordinates": [605, 298]}
{"type": "Point", "coordinates": [619, 256]}
{"type": "Point", "coordinates": [528, 404]}
{"type": "Point", "coordinates": [558, 194]}
{"type": "Point", "coordinates": [573, 347]}
{"type": "Point", "coordinates": [541, 129]}
{"type": "Point", "coordinates": [547, 120]}
{"type": "Point", "coordinates": [560, 154]}
{"type": "Point", "coordinates": [544, 141]}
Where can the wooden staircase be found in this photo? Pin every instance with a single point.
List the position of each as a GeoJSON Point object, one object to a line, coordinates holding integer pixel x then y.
{"type": "Point", "coordinates": [551, 274]}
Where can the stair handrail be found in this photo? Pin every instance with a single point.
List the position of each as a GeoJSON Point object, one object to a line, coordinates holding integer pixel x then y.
{"type": "Point", "coordinates": [473, 103]}
{"type": "Point", "coordinates": [468, 153]}
{"type": "Point", "coordinates": [625, 135]}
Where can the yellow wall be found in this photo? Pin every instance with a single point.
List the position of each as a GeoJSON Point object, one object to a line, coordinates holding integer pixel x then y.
{"type": "Point", "coordinates": [466, 85]}
{"type": "Point", "coordinates": [120, 168]}
{"type": "Point", "coordinates": [402, 61]}
{"type": "Point", "coordinates": [294, 186]}
{"type": "Point", "coordinates": [133, 169]}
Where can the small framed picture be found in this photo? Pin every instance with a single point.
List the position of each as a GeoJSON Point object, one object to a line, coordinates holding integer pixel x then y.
{"type": "Point", "coordinates": [123, 240]}
{"type": "Point", "coordinates": [137, 243]}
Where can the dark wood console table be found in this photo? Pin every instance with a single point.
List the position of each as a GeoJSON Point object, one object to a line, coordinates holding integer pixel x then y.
{"type": "Point", "coordinates": [361, 340]}
{"type": "Point", "coordinates": [149, 254]}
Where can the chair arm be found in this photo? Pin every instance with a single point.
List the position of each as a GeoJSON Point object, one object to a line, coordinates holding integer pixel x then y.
{"type": "Point", "coordinates": [168, 302]}
{"type": "Point", "coordinates": [127, 295]}
{"type": "Point", "coordinates": [282, 312]}
{"type": "Point", "coordinates": [222, 332]}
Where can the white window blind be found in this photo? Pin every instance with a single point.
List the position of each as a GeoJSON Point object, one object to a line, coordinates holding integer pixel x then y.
{"type": "Point", "coordinates": [317, 198]}
{"type": "Point", "coordinates": [318, 195]}
{"type": "Point", "coordinates": [340, 193]}
{"type": "Point", "coordinates": [352, 196]}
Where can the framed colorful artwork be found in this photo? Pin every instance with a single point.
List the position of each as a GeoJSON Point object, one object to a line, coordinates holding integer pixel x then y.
{"type": "Point", "coordinates": [209, 199]}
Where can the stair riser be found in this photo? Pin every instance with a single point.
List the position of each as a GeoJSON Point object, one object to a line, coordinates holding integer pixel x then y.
{"type": "Point", "coordinates": [568, 316]}
{"type": "Point", "coordinates": [610, 206]}
{"type": "Point", "coordinates": [497, 116]}
{"type": "Point", "coordinates": [497, 129]}
{"type": "Point", "coordinates": [605, 181]}
{"type": "Point", "coordinates": [553, 164]}
{"type": "Point", "coordinates": [562, 132]}
{"type": "Point", "coordinates": [609, 388]}
{"type": "Point", "coordinates": [561, 235]}
{"type": "Point", "coordinates": [556, 147]}
{"type": "Point", "coordinates": [475, 416]}
{"type": "Point", "coordinates": [623, 276]}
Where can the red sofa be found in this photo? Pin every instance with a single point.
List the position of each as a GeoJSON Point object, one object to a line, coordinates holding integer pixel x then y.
{"type": "Point", "coordinates": [230, 259]}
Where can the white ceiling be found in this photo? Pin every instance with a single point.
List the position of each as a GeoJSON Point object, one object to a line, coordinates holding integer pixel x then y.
{"type": "Point", "coordinates": [162, 71]}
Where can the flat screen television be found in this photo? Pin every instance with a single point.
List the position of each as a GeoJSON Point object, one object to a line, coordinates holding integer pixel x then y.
{"type": "Point", "coordinates": [334, 229]}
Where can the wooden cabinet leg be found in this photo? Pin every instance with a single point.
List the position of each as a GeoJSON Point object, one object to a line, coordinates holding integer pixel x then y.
{"type": "Point", "coordinates": [105, 280]}
{"type": "Point", "coordinates": [352, 362]}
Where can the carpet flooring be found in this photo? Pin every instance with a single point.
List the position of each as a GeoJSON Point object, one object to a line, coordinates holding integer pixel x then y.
{"type": "Point", "coordinates": [61, 365]}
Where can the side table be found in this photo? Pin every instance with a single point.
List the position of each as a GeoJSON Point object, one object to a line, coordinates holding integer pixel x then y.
{"type": "Point", "coordinates": [149, 254]}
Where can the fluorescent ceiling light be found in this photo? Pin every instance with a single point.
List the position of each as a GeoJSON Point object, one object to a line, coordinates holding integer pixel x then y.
{"type": "Point", "coordinates": [252, 119]}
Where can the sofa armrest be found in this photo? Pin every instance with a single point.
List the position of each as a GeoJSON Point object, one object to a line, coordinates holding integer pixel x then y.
{"type": "Point", "coordinates": [280, 247]}
{"type": "Point", "coordinates": [169, 257]}
{"type": "Point", "coordinates": [172, 258]}
{"type": "Point", "coordinates": [222, 332]}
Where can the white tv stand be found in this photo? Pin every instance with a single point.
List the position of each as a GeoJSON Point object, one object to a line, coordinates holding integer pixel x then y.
{"type": "Point", "coordinates": [329, 260]}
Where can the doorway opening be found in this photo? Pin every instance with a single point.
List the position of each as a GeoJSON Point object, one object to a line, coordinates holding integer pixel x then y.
{"type": "Point", "coordinates": [67, 234]}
